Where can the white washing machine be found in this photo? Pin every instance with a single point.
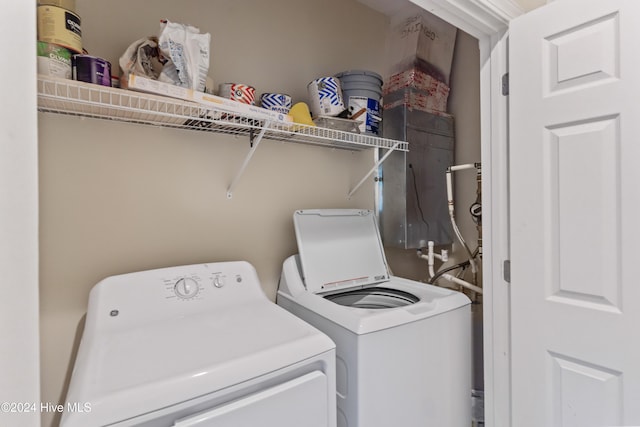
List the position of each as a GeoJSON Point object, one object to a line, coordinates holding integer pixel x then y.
{"type": "Point", "coordinates": [198, 345]}
{"type": "Point", "coordinates": [403, 347]}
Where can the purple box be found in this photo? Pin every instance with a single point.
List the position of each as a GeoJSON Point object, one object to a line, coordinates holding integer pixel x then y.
{"type": "Point", "coordinates": [91, 69]}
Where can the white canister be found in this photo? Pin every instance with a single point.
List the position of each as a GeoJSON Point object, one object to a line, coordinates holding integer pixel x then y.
{"type": "Point", "coordinates": [279, 102]}
{"type": "Point", "coordinates": [238, 92]}
{"type": "Point", "coordinates": [325, 96]}
{"type": "Point", "coordinates": [54, 60]}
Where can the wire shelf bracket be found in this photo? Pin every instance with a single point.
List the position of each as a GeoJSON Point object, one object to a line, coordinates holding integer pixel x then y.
{"type": "Point", "coordinates": [373, 169]}
{"type": "Point", "coordinates": [254, 146]}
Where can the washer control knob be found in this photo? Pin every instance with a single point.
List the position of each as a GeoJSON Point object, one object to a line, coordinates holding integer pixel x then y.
{"type": "Point", "coordinates": [218, 282]}
{"type": "Point", "coordinates": [186, 288]}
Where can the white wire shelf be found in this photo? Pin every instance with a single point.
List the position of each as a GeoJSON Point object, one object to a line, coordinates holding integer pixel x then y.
{"type": "Point", "coordinates": [89, 100]}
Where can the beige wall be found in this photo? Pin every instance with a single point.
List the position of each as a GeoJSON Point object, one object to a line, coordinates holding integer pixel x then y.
{"type": "Point", "coordinates": [117, 197]}
{"type": "Point", "coordinates": [464, 104]}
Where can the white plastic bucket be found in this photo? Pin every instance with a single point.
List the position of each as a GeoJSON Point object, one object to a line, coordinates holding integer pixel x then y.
{"type": "Point", "coordinates": [362, 92]}
{"type": "Point", "coordinates": [325, 97]}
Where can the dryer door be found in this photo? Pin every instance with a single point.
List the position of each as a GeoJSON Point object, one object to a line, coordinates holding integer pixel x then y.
{"type": "Point", "coordinates": [298, 402]}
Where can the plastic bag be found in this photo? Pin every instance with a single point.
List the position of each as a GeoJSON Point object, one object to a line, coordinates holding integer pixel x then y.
{"type": "Point", "coordinates": [187, 51]}
{"type": "Point", "coordinates": [142, 58]}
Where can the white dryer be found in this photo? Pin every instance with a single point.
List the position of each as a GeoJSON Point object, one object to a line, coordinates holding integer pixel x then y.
{"type": "Point", "coordinates": [403, 347]}
{"type": "Point", "coordinates": [198, 345]}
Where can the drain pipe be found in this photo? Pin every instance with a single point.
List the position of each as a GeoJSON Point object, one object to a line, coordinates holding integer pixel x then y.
{"type": "Point", "coordinates": [464, 283]}
{"type": "Point", "coordinates": [444, 256]}
{"type": "Point", "coordinates": [430, 258]}
{"type": "Point", "coordinates": [456, 230]}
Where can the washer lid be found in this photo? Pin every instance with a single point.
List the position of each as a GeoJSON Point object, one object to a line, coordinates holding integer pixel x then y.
{"type": "Point", "coordinates": [339, 249]}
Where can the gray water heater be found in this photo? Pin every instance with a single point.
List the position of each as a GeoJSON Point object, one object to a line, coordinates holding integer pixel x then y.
{"type": "Point", "coordinates": [413, 209]}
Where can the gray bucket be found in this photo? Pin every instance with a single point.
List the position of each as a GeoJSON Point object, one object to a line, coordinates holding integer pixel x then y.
{"type": "Point", "coordinates": [362, 92]}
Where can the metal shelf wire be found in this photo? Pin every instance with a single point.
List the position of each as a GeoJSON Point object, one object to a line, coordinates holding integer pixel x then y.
{"type": "Point", "coordinates": [89, 100]}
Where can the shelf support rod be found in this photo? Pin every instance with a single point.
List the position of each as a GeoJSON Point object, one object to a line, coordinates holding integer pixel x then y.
{"type": "Point", "coordinates": [374, 168]}
{"type": "Point", "coordinates": [254, 145]}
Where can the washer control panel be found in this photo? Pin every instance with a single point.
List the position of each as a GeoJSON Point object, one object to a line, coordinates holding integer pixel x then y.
{"type": "Point", "coordinates": [202, 281]}
{"type": "Point", "coordinates": [174, 292]}
{"type": "Point", "coordinates": [193, 286]}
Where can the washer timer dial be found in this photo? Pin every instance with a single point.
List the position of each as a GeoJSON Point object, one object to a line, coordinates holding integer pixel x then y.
{"type": "Point", "coordinates": [186, 288]}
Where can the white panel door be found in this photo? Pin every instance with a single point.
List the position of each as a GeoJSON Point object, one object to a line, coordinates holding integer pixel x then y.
{"type": "Point", "coordinates": [575, 214]}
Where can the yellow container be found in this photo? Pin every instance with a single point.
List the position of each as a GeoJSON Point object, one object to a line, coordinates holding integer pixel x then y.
{"type": "Point", "coordinates": [65, 4]}
{"type": "Point", "coordinates": [59, 26]}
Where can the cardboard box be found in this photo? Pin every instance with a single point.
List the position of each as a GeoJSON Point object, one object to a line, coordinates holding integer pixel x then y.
{"type": "Point", "coordinates": [144, 84]}
{"type": "Point", "coordinates": [414, 99]}
{"type": "Point", "coordinates": [415, 78]}
{"type": "Point", "coordinates": [422, 37]}
{"type": "Point", "coordinates": [416, 89]}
